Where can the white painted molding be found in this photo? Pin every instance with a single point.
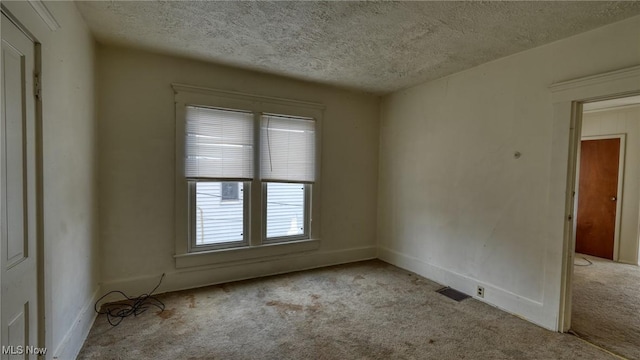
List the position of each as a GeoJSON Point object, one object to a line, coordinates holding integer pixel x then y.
{"type": "Point", "coordinates": [234, 256]}
{"type": "Point", "coordinates": [199, 277]}
{"type": "Point", "coordinates": [589, 87]}
{"type": "Point", "coordinates": [596, 79]}
{"type": "Point", "coordinates": [72, 342]}
{"type": "Point", "coordinates": [503, 299]}
{"type": "Point", "coordinates": [613, 108]}
{"type": "Point", "coordinates": [45, 14]}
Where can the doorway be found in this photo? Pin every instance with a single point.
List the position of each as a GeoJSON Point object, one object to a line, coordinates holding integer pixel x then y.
{"type": "Point", "coordinates": [606, 277]}
{"type": "Point", "coordinates": [21, 257]}
{"type": "Point", "coordinates": [570, 98]}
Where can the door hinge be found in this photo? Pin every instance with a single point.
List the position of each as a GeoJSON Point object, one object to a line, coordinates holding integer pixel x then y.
{"type": "Point", "coordinates": [37, 87]}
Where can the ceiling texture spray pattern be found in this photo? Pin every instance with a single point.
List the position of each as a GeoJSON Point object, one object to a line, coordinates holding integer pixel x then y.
{"type": "Point", "coordinates": [377, 47]}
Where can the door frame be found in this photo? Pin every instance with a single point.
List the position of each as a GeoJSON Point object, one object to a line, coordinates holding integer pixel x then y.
{"type": "Point", "coordinates": [40, 248]}
{"type": "Point", "coordinates": [619, 193]}
{"type": "Point", "coordinates": [567, 100]}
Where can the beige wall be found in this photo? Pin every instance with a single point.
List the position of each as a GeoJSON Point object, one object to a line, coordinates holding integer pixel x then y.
{"type": "Point", "coordinates": [454, 203]}
{"type": "Point", "coordinates": [136, 142]}
{"type": "Point", "coordinates": [69, 174]}
{"type": "Point", "coordinates": [623, 121]}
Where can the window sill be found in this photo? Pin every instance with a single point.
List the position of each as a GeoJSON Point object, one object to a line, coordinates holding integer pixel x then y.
{"type": "Point", "coordinates": [212, 257]}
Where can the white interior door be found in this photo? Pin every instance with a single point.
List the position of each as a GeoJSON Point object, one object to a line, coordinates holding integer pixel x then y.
{"type": "Point", "coordinates": [18, 261]}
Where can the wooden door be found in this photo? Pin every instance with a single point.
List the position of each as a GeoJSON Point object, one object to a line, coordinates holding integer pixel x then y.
{"type": "Point", "coordinates": [18, 225]}
{"type": "Point", "coordinates": [597, 197]}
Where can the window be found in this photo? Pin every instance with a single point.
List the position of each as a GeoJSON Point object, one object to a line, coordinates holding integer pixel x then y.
{"type": "Point", "coordinates": [247, 172]}
{"type": "Point", "coordinates": [287, 165]}
{"type": "Point", "coordinates": [218, 146]}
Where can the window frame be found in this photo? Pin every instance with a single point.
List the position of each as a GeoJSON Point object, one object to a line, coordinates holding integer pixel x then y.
{"type": "Point", "coordinates": [255, 244]}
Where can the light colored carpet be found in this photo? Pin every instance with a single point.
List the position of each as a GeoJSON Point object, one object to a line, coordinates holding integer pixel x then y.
{"type": "Point", "coordinates": [366, 310]}
{"type": "Point", "coordinates": [606, 305]}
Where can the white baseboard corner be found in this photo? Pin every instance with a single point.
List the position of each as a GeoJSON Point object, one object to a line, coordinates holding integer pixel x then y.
{"type": "Point", "coordinates": [75, 337]}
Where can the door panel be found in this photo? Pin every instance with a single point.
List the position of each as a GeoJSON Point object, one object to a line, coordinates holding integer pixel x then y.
{"type": "Point", "coordinates": [18, 329]}
{"type": "Point", "coordinates": [18, 225]}
{"type": "Point", "coordinates": [14, 73]}
{"type": "Point", "coordinates": [597, 197]}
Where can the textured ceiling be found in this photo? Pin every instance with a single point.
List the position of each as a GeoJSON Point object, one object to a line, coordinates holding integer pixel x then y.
{"type": "Point", "coordinates": [373, 46]}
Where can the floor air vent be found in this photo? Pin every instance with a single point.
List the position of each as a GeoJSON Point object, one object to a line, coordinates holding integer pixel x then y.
{"type": "Point", "coordinates": [452, 294]}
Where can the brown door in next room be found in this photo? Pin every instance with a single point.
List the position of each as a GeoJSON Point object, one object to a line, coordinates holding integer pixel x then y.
{"type": "Point", "coordinates": [597, 197]}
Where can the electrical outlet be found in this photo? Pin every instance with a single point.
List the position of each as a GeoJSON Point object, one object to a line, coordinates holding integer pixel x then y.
{"type": "Point", "coordinates": [480, 291]}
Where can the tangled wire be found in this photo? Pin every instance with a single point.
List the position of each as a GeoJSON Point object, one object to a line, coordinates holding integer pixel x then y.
{"type": "Point", "coordinates": [118, 310]}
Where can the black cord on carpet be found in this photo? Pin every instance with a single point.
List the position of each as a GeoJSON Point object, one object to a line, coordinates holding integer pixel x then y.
{"type": "Point", "coordinates": [117, 311]}
{"type": "Point", "coordinates": [585, 259]}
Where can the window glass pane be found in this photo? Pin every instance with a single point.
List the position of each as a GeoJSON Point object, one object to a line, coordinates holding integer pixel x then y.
{"type": "Point", "coordinates": [285, 209]}
{"type": "Point", "coordinates": [219, 212]}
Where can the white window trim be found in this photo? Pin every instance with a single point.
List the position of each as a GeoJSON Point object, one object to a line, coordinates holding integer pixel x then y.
{"type": "Point", "coordinates": [257, 248]}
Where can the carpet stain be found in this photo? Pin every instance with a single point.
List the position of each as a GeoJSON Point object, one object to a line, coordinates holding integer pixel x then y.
{"type": "Point", "coordinates": [358, 277]}
{"type": "Point", "coordinates": [383, 305]}
{"type": "Point", "coordinates": [314, 308]}
{"type": "Point", "coordinates": [166, 314]}
{"type": "Point", "coordinates": [410, 347]}
{"type": "Point", "coordinates": [427, 304]}
{"type": "Point", "coordinates": [107, 341]}
{"type": "Point", "coordinates": [225, 288]}
{"type": "Point", "coordinates": [192, 301]}
{"type": "Point", "coordinates": [285, 306]}
{"type": "Point", "coordinates": [514, 353]}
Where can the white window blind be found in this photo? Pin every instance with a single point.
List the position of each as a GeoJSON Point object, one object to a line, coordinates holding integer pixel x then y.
{"type": "Point", "coordinates": [287, 150]}
{"type": "Point", "coordinates": [218, 144]}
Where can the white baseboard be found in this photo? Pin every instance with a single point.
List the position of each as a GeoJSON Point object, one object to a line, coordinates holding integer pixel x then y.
{"type": "Point", "coordinates": [73, 340]}
{"type": "Point", "coordinates": [520, 306]}
{"type": "Point", "coordinates": [183, 279]}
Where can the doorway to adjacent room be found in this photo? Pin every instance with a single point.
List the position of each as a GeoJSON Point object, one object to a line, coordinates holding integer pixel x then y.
{"type": "Point", "coordinates": [606, 276]}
